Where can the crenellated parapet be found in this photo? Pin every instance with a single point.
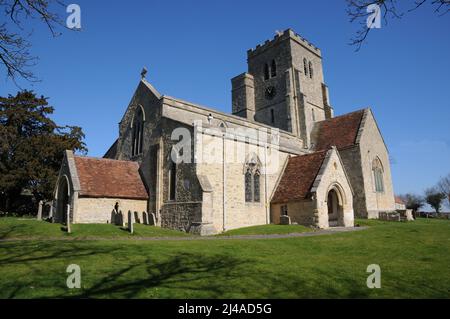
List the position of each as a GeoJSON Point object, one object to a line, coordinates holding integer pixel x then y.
{"type": "Point", "coordinates": [281, 36]}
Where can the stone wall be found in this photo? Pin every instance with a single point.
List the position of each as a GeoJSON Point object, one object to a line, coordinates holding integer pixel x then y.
{"type": "Point", "coordinates": [98, 210]}
{"type": "Point", "coordinates": [372, 146]}
{"type": "Point", "coordinates": [181, 215]}
{"type": "Point", "coordinates": [227, 178]}
{"type": "Point", "coordinates": [301, 212]}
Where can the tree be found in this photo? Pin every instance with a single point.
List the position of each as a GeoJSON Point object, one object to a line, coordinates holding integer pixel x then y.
{"type": "Point", "coordinates": [434, 198]}
{"type": "Point", "coordinates": [32, 147]}
{"type": "Point", "coordinates": [15, 56]}
{"type": "Point", "coordinates": [413, 201]}
{"type": "Point", "coordinates": [360, 10]}
{"type": "Point", "coordinates": [444, 187]}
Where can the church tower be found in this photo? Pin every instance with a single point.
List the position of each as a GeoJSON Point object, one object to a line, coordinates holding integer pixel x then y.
{"type": "Point", "coordinates": [284, 86]}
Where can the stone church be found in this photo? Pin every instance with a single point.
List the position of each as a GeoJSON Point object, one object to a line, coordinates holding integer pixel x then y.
{"type": "Point", "coordinates": [280, 156]}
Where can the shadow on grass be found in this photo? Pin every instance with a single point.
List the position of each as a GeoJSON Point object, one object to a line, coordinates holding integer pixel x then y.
{"type": "Point", "coordinates": [13, 229]}
{"type": "Point", "coordinates": [186, 271]}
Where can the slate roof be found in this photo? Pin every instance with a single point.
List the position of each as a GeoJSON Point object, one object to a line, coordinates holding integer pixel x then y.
{"type": "Point", "coordinates": [298, 177]}
{"type": "Point", "coordinates": [340, 131]}
{"type": "Point", "coordinates": [100, 177]}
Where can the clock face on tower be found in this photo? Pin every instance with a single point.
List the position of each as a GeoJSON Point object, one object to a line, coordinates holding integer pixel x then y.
{"type": "Point", "coordinates": [270, 92]}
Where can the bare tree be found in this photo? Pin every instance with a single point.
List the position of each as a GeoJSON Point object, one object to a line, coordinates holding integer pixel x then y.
{"type": "Point", "coordinates": [357, 11]}
{"type": "Point", "coordinates": [15, 56]}
{"type": "Point", "coordinates": [444, 187]}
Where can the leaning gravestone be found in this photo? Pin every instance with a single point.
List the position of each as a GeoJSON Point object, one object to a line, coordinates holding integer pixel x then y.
{"type": "Point", "coordinates": [136, 218]}
{"type": "Point", "coordinates": [130, 222]}
{"type": "Point", "coordinates": [145, 220]}
{"type": "Point", "coordinates": [152, 219]}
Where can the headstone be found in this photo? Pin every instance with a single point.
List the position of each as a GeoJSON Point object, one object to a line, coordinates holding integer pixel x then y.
{"type": "Point", "coordinates": [50, 214]}
{"type": "Point", "coordinates": [145, 220]}
{"type": "Point", "coordinates": [285, 220]}
{"type": "Point", "coordinates": [152, 219]}
{"type": "Point", "coordinates": [113, 217]}
{"type": "Point", "coordinates": [136, 218]}
{"type": "Point", "coordinates": [68, 219]}
{"type": "Point", "coordinates": [409, 215]}
{"type": "Point", "coordinates": [39, 214]}
{"type": "Point", "coordinates": [121, 219]}
{"type": "Point", "coordinates": [130, 222]}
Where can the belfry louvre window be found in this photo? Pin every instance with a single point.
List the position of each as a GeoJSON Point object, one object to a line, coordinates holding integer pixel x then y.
{"type": "Point", "coordinates": [273, 69]}
{"type": "Point", "coordinates": [137, 133]}
{"type": "Point", "coordinates": [305, 66]}
{"type": "Point", "coordinates": [310, 70]}
{"type": "Point", "coordinates": [266, 72]}
{"type": "Point", "coordinates": [377, 169]}
{"type": "Point", "coordinates": [252, 180]}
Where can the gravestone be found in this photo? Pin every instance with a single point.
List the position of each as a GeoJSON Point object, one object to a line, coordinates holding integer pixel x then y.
{"type": "Point", "coordinates": [113, 220]}
{"type": "Point", "coordinates": [121, 219]}
{"type": "Point", "coordinates": [145, 220]}
{"type": "Point", "coordinates": [285, 220]}
{"type": "Point", "coordinates": [152, 219]}
{"type": "Point", "coordinates": [39, 214]}
{"type": "Point", "coordinates": [68, 219]}
{"type": "Point", "coordinates": [136, 218]}
{"type": "Point", "coordinates": [50, 213]}
{"type": "Point", "coordinates": [130, 222]}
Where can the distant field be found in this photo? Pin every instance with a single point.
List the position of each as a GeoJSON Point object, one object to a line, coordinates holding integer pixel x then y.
{"type": "Point", "coordinates": [414, 258]}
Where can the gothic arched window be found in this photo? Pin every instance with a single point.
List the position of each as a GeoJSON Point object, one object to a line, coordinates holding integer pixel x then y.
{"type": "Point", "coordinates": [305, 66]}
{"type": "Point", "coordinates": [310, 70]}
{"type": "Point", "coordinates": [137, 132]}
{"type": "Point", "coordinates": [248, 186]}
{"type": "Point", "coordinates": [266, 72]}
{"type": "Point", "coordinates": [273, 69]}
{"type": "Point", "coordinates": [377, 169]}
{"type": "Point", "coordinates": [252, 179]}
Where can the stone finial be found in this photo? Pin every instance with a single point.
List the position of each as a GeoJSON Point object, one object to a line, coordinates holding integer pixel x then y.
{"type": "Point", "coordinates": [278, 32]}
{"type": "Point", "coordinates": [144, 73]}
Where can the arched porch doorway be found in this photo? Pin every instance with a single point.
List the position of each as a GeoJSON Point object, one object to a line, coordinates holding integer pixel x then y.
{"type": "Point", "coordinates": [62, 200]}
{"type": "Point", "coordinates": [335, 208]}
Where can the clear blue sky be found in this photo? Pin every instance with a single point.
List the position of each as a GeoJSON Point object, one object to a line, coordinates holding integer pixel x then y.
{"type": "Point", "coordinates": [193, 48]}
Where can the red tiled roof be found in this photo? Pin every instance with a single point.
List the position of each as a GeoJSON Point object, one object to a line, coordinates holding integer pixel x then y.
{"type": "Point", "coordinates": [298, 177]}
{"type": "Point", "coordinates": [340, 131]}
{"type": "Point", "coordinates": [101, 177]}
{"type": "Point", "coordinates": [398, 200]}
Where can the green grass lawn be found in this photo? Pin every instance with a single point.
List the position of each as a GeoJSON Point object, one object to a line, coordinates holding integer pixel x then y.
{"type": "Point", "coordinates": [414, 258]}
{"type": "Point", "coordinates": [267, 230]}
{"type": "Point", "coordinates": [25, 228]}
